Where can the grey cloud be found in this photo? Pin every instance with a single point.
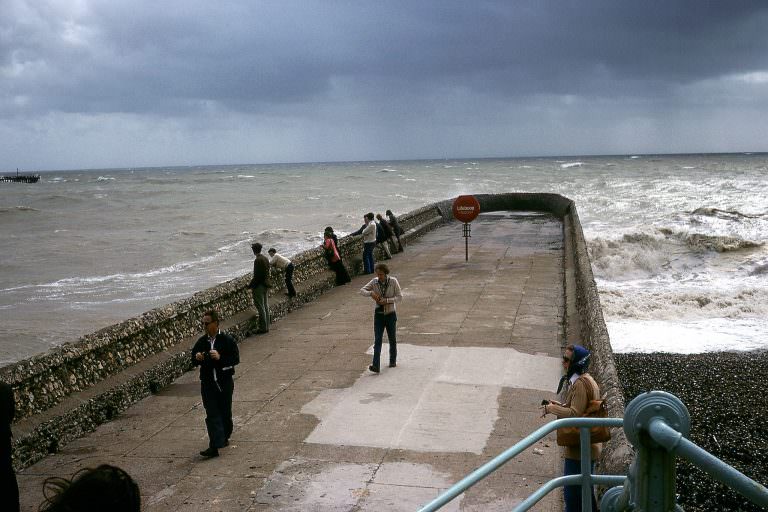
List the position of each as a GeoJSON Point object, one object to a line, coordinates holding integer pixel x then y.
{"type": "Point", "coordinates": [174, 56]}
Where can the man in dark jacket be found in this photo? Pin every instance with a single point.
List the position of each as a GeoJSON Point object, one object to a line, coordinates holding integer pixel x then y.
{"type": "Point", "coordinates": [216, 354]}
{"type": "Point", "coordinates": [259, 287]}
{"type": "Point", "coordinates": [9, 488]}
{"type": "Point", "coordinates": [389, 233]}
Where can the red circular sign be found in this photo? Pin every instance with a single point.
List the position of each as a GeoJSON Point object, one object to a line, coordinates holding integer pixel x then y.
{"type": "Point", "coordinates": [466, 208]}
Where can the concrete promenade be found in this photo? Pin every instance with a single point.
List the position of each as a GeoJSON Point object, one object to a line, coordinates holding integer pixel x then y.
{"type": "Point", "coordinates": [479, 346]}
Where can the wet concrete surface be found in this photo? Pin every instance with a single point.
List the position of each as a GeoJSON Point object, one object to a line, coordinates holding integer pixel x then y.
{"type": "Point", "coordinates": [478, 348]}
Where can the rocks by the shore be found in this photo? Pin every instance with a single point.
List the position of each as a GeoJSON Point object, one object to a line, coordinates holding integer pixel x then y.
{"type": "Point", "coordinates": [725, 393]}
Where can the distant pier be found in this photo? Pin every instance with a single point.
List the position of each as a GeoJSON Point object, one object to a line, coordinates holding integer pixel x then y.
{"type": "Point", "coordinates": [21, 178]}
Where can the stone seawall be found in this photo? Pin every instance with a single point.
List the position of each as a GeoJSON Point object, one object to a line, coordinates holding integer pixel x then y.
{"type": "Point", "coordinates": [585, 324]}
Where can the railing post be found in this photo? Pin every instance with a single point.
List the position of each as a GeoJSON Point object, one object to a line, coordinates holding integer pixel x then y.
{"type": "Point", "coordinates": [652, 475]}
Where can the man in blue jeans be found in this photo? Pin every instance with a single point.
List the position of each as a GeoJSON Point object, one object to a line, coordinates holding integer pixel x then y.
{"type": "Point", "coordinates": [385, 292]}
{"type": "Point", "coordinates": [368, 230]}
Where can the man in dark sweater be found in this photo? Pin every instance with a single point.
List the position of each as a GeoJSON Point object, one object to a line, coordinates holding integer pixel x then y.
{"type": "Point", "coordinates": [216, 354]}
{"type": "Point", "coordinates": [259, 286]}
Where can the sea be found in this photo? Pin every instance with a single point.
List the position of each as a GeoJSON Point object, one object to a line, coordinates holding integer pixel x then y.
{"type": "Point", "coordinates": [677, 242]}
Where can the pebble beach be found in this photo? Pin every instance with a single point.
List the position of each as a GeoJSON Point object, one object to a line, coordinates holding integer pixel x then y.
{"type": "Point", "coordinates": [725, 396]}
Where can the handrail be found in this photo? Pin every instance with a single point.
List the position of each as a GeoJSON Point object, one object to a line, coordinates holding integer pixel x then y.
{"type": "Point", "coordinates": [657, 424]}
{"type": "Point", "coordinates": [528, 441]}
{"type": "Point", "coordinates": [673, 441]}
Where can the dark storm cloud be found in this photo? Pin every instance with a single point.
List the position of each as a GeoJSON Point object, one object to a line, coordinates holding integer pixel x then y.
{"type": "Point", "coordinates": [182, 56]}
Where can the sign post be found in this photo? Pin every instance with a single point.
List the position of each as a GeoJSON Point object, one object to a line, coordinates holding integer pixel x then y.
{"type": "Point", "coordinates": [466, 209]}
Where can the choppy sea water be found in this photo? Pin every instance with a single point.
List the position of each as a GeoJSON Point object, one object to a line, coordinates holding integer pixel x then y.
{"type": "Point", "coordinates": [677, 241]}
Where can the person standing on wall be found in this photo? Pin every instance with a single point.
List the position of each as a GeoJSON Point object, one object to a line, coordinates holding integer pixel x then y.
{"type": "Point", "coordinates": [396, 229]}
{"type": "Point", "coordinates": [368, 230]}
{"type": "Point", "coordinates": [9, 487]}
{"type": "Point", "coordinates": [259, 287]}
{"type": "Point", "coordinates": [216, 354]}
{"type": "Point", "coordinates": [385, 292]}
{"type": "Point", "coordinates": [284, 264]}
{"type": "Point", "coordinates": [583, 388]}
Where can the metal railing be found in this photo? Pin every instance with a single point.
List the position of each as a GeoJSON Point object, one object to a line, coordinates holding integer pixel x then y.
{"type": "Point", "coordinates": [657, 424]}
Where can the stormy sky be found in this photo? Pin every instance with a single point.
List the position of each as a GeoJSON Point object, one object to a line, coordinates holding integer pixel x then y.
{"type": "Point", "coordinates": [129, 83]}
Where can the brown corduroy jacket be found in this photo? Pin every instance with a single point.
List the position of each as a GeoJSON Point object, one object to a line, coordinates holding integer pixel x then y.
{"type": "Point", "coordinates": [580, 393]}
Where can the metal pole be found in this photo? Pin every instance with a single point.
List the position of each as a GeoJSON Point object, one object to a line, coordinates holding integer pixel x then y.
{"type": "Point", "coordinates": [466, 240]}
{"type": "Point", "coordinates": [673, 441]}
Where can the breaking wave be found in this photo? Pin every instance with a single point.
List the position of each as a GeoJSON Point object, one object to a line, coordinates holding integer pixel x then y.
{"type": "Point", "coordinates": [676, 305]}
{"type": "Point", "coordinates": [725, 214]}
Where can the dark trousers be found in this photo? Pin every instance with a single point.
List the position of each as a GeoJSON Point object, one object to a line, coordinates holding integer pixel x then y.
{"type": "Point", "coordinates": [289, 280]}
{"type": "Point", "coordinates": [399, 244]}
{"type": "Point", "coordinates": [262, 306]}
{"type": "Point", "coordinates": [9, 488]}
{"type": "Point", "coordinates": [380, 323]}
{"type": "Point", "coordinates": [217, 401]}
{"type": "Point", "coordinates": [572, 493]}
{"type": "Point", "coordinates": [342, 276]}
{"type": "Point", "coordinates": [368, 262]}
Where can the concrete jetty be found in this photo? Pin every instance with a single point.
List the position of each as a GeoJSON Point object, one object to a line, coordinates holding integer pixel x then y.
{"type": "Point", "coordinates": [479, 347]}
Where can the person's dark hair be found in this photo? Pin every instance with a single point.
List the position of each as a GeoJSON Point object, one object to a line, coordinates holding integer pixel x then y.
{"type": "Point", "coordinates": [271, 250]}
{"type": "Point", "coordinates": [369, 215]}
{"type": "Point", "coordinates": [383, 267]}
{"type": "Point", "coordinates": [388, 213]}
{"type": "Point", "coordinates": [256, 246]}
{"type": "Point", "coordinates": [213, 314]}
{"type": "Point", "coordinates": [102, 488]}
{"type": "Point", "coordinates": [378, 216]}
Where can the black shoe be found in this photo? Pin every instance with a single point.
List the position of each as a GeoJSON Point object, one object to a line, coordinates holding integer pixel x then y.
{"type": "Point", "coordinates": [262, 331]}
{"type": "Point", "coordinates": [373, 369]}
{"type": "Point", "coordinates": [392, 365]}
{"type": "Point", "coordinates": [210, 452]}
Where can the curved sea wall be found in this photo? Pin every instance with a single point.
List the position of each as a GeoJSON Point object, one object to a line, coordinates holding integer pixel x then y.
{"type": "Point", "coordinates": [71, 389]}
{"type": "Point", "coordinates": [584, 322]}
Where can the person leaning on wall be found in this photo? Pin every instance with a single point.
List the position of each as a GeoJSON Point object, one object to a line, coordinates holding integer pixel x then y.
{"type": "Point", "coordinates": [368, 231]}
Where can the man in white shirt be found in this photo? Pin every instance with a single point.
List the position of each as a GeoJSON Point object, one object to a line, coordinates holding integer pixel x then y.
{"type": "Point", "coordinates": [368, 230]}
{"type": "Point", "coordinates": [283, 263]}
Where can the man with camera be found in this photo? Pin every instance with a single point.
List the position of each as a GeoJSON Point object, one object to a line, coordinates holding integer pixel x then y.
{"type": "Point", "coordinates": [216, 354]}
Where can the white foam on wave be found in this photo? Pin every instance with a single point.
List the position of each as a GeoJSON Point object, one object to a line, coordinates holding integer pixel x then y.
{"type": "Point", "coordinates": [687, 337]}
{"type": "Point", "coordinates": [570, 165]}
{"type": "Point", "coordinates": [698, 301]}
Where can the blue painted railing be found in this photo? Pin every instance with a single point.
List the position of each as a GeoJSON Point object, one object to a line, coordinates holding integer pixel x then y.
{"type": "Point", "coordinates": [650, 484]}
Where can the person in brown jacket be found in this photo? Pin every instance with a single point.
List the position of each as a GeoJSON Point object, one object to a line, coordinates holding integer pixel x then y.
{"type": "Point", "coordinates": [583, 388]}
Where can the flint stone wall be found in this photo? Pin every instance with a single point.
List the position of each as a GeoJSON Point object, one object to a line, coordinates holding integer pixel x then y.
{"type": "Point", "coordinates": [71, 389]}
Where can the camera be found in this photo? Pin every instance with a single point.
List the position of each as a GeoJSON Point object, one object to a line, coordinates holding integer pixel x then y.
{"type": "Point", "coordinates": [545, 402]}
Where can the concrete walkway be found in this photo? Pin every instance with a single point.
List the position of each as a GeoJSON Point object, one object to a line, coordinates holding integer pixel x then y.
{"type": "Point", "coordinates": [479, 347]}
